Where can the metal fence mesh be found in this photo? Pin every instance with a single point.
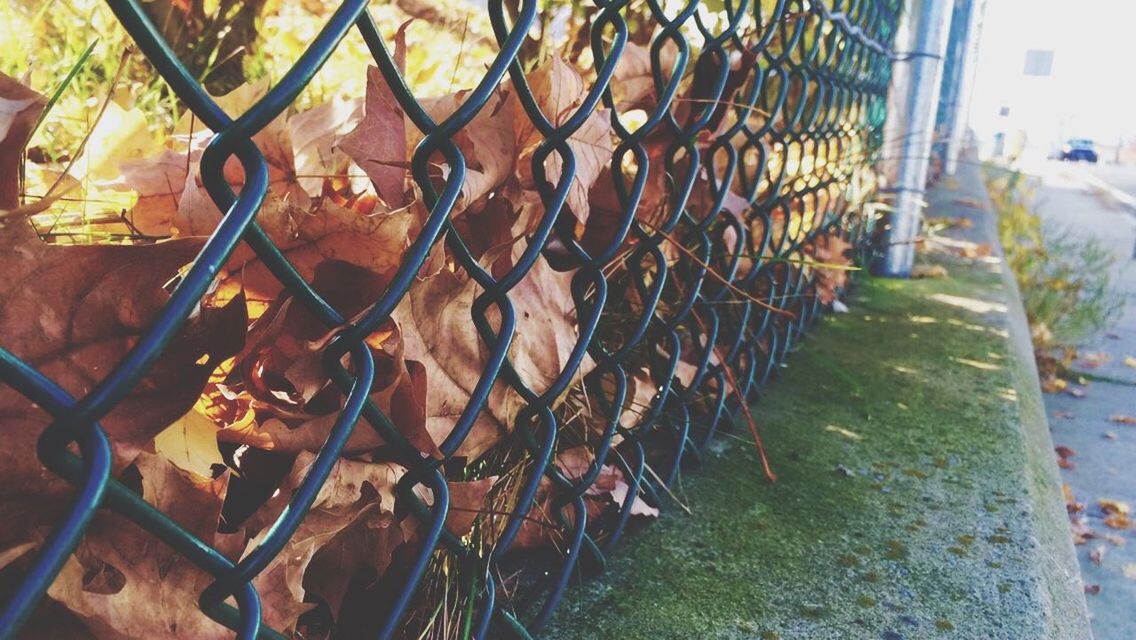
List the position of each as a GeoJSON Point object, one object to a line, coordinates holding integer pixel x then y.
{"type": "Point", "coordinates": [759, 119]}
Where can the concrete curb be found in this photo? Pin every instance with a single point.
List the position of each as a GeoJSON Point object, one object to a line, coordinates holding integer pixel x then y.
{"type": "Point", "coordinates": [1062, 589]}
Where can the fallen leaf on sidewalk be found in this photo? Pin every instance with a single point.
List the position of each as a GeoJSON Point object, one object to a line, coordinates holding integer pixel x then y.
{"type": "Point", "coordinates": [1114, 506]}
{"type": "Point", "coordinates": [1121, 418]}
{"type": "Point", "coordinates": [1097, 554]}
{"type": "Point", "coordinates": [1129, 571]}
{"type": "Point", "coordinates": [1063, 415]}
{"type": "Point", "coordinates": [1117, 521]}
{"type": "Point", "coordinates": [1129, 361]}
{"type": "Point", "coordinates": [1063, 455]}
{"type": "Point", "coordinates": [1054, 385]}
{"type": "Point", "coordinates": [1092, 589]}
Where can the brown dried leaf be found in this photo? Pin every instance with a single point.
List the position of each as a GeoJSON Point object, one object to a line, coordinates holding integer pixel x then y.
{"type": "Point", "coordinates": [282, 370]}
{"type": "Point", "coordinates": [20, 107]}
{"type": "Point", "coordinates": [72, 312]}
{"type": "Point", "coordinates": [350, 526]}
{"type": "Point", "coordinates": [487, 143]}
{"type": "Point", "coordinates": [119, 567]}
{"type": "Point", "coordinates": [1114, 506]}
{"type": "Point", "coordinates": [435, 322]}
{"type": "Point", "coordinates": [559, 90]}
{"type": "Point", "coordinates": [378, 144]}
{"type": "Point", "coordinates": [1117, 521]}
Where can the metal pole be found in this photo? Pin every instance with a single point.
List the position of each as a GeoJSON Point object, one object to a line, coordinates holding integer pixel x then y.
{"type": "Point", "coordinates": [961, 111]}
{"type": "Point", "coordinates": [933, 23]}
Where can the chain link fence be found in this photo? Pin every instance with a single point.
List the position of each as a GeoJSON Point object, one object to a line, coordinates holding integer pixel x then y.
{"type": "Point", "coordinates": [742, 137]}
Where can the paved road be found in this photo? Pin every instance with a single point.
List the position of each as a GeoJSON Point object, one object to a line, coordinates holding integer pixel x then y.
{"type": "Point", "coordinates": [1105, 461]}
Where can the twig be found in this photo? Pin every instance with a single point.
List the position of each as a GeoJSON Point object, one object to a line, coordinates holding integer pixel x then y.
{"type": "Point", "coordinates": [717, 276]}
{"type": "Point", "coordinates": [750, 422]}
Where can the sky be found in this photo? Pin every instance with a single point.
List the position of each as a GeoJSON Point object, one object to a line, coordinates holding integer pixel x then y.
{"type": "Point", "coordinates": [1092, 90]}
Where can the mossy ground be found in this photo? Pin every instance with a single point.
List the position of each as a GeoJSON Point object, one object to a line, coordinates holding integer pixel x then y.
{"type": "Point", "coordinates": [902, 509]}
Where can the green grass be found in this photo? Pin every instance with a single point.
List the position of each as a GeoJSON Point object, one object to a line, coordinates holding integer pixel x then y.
{"type": "Point", "coordinates": [1065, 278]}
{"type": "Point", "coordinates": [901, 506]}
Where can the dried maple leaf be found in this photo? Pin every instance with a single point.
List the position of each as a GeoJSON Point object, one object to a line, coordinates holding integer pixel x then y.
{"type": "Point", "coordinates": [468, 502]}
{"type": "Point", "coordinates": [317, 137]}
{"type": "Point", "coordinates": [160, 183]}
{"type": "Point", "coordinates": [1063, 455]}
{"type": "Point", "coordinates": [119, 567]}
{"type": "Point", "coordinates": [282, 369]}
{"type": "Point", "coordinates": [378, 143]}
{"type": "Point", "coordinates": [633, 83]}
{"type": "Point", "coordinates": [375, 242]}
{"type": "Point", "coordinates": [435, 319]}
{"type": "Point", "coordinates": [301, 151]}
{"type": "Point", "coordinates": [542, 527]}
{"type": "Point", "coordinates": [487, 143]}
{"type": "Point", "coordinates": [20, 107]}
{"type": "Point", "coordinates": [559, 90]}
{"type": "Point", "coordinates": [72, 312]}
{"type": "Point", "coordinates": [1053, 384]}
{"type": "Point", "coordinates": [1117, 521]}
{"type": "Point", "coordinates": [351, 523]}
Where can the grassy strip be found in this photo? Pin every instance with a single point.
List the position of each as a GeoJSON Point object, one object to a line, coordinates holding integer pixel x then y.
{"type": "Point", "coordinates": [899, 512]}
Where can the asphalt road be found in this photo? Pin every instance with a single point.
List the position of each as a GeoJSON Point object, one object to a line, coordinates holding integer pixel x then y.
{"type": "Point", "coordinates": [1096, 201]}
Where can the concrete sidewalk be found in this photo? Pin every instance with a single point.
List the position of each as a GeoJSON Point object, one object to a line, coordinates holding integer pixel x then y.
{"type": "Point", "coordinates": [1069, 198]}
{"type": "Point", "coordinates": [918, 493]}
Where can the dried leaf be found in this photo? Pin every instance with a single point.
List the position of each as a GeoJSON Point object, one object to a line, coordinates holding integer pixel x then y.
{"type": "Point", "coordinates": [1117, 521]}
{"type": "Point", "coordinates": [97, 301]}
{"type": "Point", "coordinates": [929, 271]}
{"type": "Point", "coordinates": [351, 526]}
{"type": "Point", "coordinates": [434, 319]}
{"type": "Point", "coordinates": [317, 135]}
{"type": "Point", "coordinates": [1121, 418]}
{"type": "Point", "coordinates": [20, 107]}
{"type": "Point", "coordinates": [160, 183]}
{"type": "Point", "coordinates": [831, 250]}
{"type": "Point", "coordinates": [1114, 506]}
{"type": "Point", "coordinates": [487, 143]}
{"type": "Point", "coordinates": [633, 83]}
{"type": "Point", "coordinates": [190, 444]}
{"type": "Point", "coordinates": [559, 90]}
{"type": "Point", "coordinates": [119, 566]}
{"type": "Point", "coordinates": [378, 144]}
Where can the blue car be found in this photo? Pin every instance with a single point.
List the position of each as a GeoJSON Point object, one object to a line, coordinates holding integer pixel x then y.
{"type": "Point", "coordinates": [1078, 150]}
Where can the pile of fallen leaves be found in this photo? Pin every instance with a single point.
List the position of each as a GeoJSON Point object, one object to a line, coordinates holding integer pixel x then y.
{"type": "Point", "coordinates": [225, 425]}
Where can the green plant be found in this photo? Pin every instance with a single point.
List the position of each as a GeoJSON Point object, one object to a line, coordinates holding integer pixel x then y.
{"type": "Point", "coordinates": [1065, 279]}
